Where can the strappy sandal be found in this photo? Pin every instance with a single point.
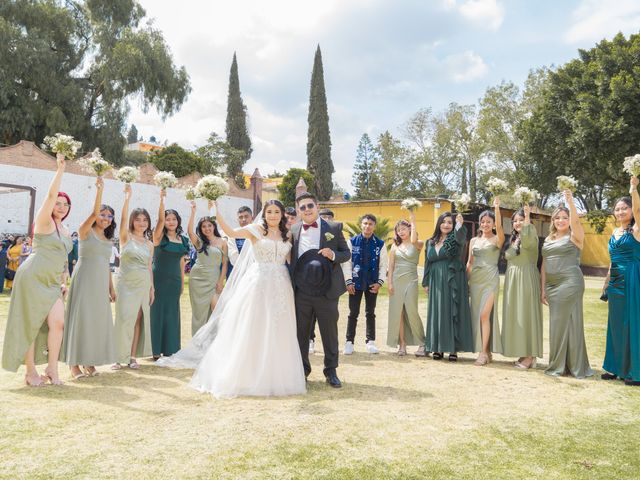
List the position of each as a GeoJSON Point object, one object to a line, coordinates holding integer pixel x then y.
{"type": "Point", "coordinates": [91, 373]}
{"type": "Point", "coordinates": [421, 352]}
{"type": "Point", "coordinates": [453, 357]}
{"type": "Point", "coordinates": [40, 382]}
{"type": "Point", "coordinates": [133, 365]}
{"type": "Point", "coordinates": [437, 355]}
{"type": "Point", "coordinates": [402, 351]}
{"type": "Point", "coordinates": [482, 360]}
{"type": "Point", "coordinates": [116, 366]}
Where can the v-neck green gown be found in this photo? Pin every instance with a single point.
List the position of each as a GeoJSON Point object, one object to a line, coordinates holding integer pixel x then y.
{"type": "Point", "coordinates": [202, 285]}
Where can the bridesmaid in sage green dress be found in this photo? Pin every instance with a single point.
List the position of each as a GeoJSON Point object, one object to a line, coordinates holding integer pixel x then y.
{"type": "Point", "coordinates": [36, 312]}
{"type": "Point", "coordinates": [134, 287]}
{"type": "Point", "coordinates": [622, 357]}
{"type": "Point", "coordinates": [168, 277]}
{"type": "Point", "coordinates": [445, 281]}
{"type": "Point", "coordinates": [563, 290]}
{"type": "Point", "coordinates": [484, 284]}
{"type": "Point", "coordinates": [522, 332]}
{"type": "Point", "coordinates": [404, 326]}
{"type": "Point", "coordinates": [207, 275]}
{"type": "Point", "coordinates": [88, 324]}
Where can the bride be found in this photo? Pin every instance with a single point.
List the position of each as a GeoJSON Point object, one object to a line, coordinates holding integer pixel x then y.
{"type": "Point", "coordinates": [249, 345]}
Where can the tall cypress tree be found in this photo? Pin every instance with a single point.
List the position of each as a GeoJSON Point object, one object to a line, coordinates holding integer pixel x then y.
{"type": "Point", "coordinates": [318, 137]}
{"type": "Point", "coordinates": [236, 129]}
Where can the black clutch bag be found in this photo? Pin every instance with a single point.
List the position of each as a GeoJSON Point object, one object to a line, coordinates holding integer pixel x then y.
{"type": "Point", "coordinates": [604, 297]}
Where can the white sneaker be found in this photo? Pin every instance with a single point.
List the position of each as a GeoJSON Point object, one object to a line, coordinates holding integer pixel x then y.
{"type": "Point", "coordinates": [348, 348]}
{"type": "Point", "coordinates": [371, 347]}
{"type": "Point", "coordinates": [312, 347]}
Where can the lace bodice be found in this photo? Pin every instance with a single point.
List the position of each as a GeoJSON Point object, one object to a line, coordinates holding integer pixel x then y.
{"type": "Point", "coordinates": [271, 251]}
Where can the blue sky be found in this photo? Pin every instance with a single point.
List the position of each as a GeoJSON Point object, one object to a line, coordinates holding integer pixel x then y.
{"type": "Point", "coordinates": [383, 61]}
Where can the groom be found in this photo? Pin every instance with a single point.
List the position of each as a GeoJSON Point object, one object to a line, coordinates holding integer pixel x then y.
{"type": "Point", "coordinates": [318, 250]}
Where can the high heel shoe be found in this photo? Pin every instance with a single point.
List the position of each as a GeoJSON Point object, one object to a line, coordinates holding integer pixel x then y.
{"type": "Point", "coordinates": [402, 351]}
{"type": "Point", "coordinates": [482, 360]}
{"type": "Point", "coordinates": [524, 366]}
{"type": "Point", "coordinates": [91, 373]}
{"type": "Point", "coordinates": [38, 382]}
{"type": "Point", "coordinates": [49, 377]}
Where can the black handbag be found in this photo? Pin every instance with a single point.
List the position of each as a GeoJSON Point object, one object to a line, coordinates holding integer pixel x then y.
{"type": "Point", "coordinates": [9, 274]}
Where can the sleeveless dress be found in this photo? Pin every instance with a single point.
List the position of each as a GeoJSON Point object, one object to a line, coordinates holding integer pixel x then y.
{"type": "Point", "coordinates": [167, 280]}
{"type": "Point", "coordinates": [403, 304]}
{"type": "Point", "coordinates": [255, 351]}
{"type": "Point", "coordinates": [88, 324]}
{"type": "Point", "coordinates": [564, 286]}
{"type": "Point", "coordinates": [522, 332]}
{"type": "Point", "coordinates": [132, 295]}
{"type": "Point", "coordinates": [36, 288]}
{"type": "Point", "coordinates": [202, 285]}
{"type": "Point", "coordinates": [622, 356]}
{"type": "Point", "coordinates": [484, 281]}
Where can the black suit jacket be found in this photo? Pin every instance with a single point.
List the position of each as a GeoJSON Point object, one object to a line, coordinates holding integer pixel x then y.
{"type": "Point", "coordinates": [338, 244]}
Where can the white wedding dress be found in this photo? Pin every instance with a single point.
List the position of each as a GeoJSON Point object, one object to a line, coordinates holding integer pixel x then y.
{"type": "Point", "coordinates": [249, 346]}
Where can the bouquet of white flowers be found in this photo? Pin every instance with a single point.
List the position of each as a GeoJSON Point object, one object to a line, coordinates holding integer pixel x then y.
{"type": "Point", "coordinates": [410, 204]}
{"type": "Point", "coordinates": [211, 187]}
{"type": "Point", "coordinates": [190, 193]}
{"type": "Point", "coordinates": [497, 186]}
{"type": "Point", "coordinates": [127, 174]}
{"type": "Point", "coordinates": [567, 183]}
{"type": "Point", "coordinates": [95, 163]}
{"type": "Point", "coordinates": [462, 202]}
{"type": "Point", "coordinates": [632, 165]}
{"type": "Point", "coordinates": [525, 196]}
{"type": "Point", "coordinates": [165, 180]}
{"type": "Point", "coordinates": [64, 144]}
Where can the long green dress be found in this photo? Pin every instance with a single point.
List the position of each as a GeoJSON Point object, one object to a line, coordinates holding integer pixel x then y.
{"type": "Point", "coordinates": [132, 295]}
{"type": "Point", "coordinates": [448, 315]}
{"type": "Point", "coordinates": [403, 304]}
{"type": "Point", "coordinates": [564, 286]}
{"type": "Point", "coordinates": [36, 288]}
{"type": "Point", "coordinates": [484, 281]}
{"type": "Point", "coordinates": [522, 332]}
{"type": "Point", "coordinates": [88, 324]}
{"type": "Point", "coordinates": [202, 285]}
{"type": "Point", "coordinates": [165, 311]}
{"type": "Point", "coordinates": [622, 356]}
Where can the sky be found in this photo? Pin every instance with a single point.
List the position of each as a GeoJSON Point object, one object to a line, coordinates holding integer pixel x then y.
{"type": "Point", "coordinates": [383, 61]}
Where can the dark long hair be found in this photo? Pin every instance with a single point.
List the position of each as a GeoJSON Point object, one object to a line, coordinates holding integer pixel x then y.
{"type": "Point", "coordinates": [203, 239]}
{"type": "Point", "coordinates": [110, 230]}
{"type": "Point", "coordinates": [486, 213]}
{"type": "Point", "coordinates": [178, 217]}
{"type": "Point", "coordinates": [629, 203]}
{"type": "Point", "coordinates": [141, 211]}
{"type": "Point", "coordinates": [283, 219]}
{"type": "Point", "coordinates": [436, 233]}
{"type": "Point", "coordinates": [396, 237]}
{"type": "Point", "coordinates": [515, 235]}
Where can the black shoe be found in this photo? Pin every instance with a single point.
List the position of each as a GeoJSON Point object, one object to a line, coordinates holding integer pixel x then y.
{"type": "Point", "coordinates": [632, 383]}
{"type": "Point", "coordinates": [333, 380]}
{"type": "Point", "coordinates": [453, 357]}
{"type": "Point", "coordinates": [437, 355]}
{"type": "Point", "coordinates": [608, 376]}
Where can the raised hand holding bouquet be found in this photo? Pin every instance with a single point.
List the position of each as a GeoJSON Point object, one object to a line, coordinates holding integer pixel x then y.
{"type": "Point", "coordinates": [95, 163]}
{"type": "Point", "coordinates": [190, 193]}
{"type": "Point", "coordinates": [632, 165]}
{"type": "Point", "coordinates": [211, 187]}
{"type": "Point", "coordinates": [567, 183]}
{"type": "Point", "coordinates": [410, 204]}
{"type": "Point", "coordinates": [165, 180]}
{"type": "Point", "coordinates": [462, 202]}
{"type": "Point", "coordinates": [497, 186]}
{"type": "Point", "coordinates": [127, 174]}
{"type": "Point", "coordinates": [63, 144]}
{"type": "Point", "coordinates": [525, 196]}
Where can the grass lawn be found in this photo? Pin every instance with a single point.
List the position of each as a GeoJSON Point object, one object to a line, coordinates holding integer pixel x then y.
{"type": "Point", "coordinates": [394, 418]}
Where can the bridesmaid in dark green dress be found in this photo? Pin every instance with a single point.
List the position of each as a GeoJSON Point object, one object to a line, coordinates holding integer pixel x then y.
{"type": "Point", "coordinates": [445, 281]}
{"type": "Point", "coordinates": [88, 324]}
{"type": "Point", "coordinates": [622, 358]}
{"type": "Point", "coordinates": [563, 290]}
{"type": "Point", "coordinates": [168, 278]}
{"type": "Point", "coordinates": [36, 312]}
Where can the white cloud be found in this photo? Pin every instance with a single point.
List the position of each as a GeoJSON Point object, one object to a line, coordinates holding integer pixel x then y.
{"type": "Point", "coordinates": [487, 14]}
{"type": "Point", "coordinates": [594, 20]}
{"type": "Point", "coordinates": [465, 67]}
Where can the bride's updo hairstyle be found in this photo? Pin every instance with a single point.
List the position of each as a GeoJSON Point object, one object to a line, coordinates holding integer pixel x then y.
{"type": "Point", "coordinates": [283, 219]}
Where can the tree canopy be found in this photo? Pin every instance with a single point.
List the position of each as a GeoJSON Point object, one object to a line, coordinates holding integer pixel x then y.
{"type": "Point", "coordinates": [287, 189]}
{"type": "Point", "coordinates": [176, 159]}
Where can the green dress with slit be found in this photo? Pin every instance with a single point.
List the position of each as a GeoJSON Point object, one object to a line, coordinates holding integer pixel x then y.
{"type": "Point", "coordinates": [202, 285]}
{"type": "Point", "coordinates": [36, 288]}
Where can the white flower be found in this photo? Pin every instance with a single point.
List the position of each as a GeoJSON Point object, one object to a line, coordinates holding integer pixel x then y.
{"type": "Point", "coordinates": [410, 204]}
{"type": "Point", "coordinates": [127, 174]}
{"type": "Point", "coordinates": [567, 183]}
{"type": "Point", "coordinates": [462, 202]}
{"type": "Point", "coordinates": [329, 236]}
{"type": "Point", "coordinates": [64, 144]}
{"type": "Point", "coordinates": [632, 165]}
{"type": "Point", "coordinates": [165, 180]}
{"type": "Point", "coordinates": [525, 196]}
{"type": "Point", "coordinates": [190, 193]}
{"type": "Point", "coordinates": [497, 186]}
{"type": "Point", "coordinates": [95, 163]}
{"type": "Point", "coordinates": [211, 187]}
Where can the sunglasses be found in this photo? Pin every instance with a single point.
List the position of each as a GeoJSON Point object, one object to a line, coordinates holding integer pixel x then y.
{"type": "Point", "coordinates": [309, 206]}
{"type": "Point", "coordinates": [107, 216]}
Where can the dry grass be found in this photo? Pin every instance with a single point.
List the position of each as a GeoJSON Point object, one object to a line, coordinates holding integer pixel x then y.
{"type": "Point", "coordinates": [394, 418]}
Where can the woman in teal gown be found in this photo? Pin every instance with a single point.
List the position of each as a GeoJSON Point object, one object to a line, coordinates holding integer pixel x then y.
{"type": "Point", "coordinates": [168, 278]}
{"type": "Point", "coordinates": [622, 357]}
{"type": "Point", "coordinates": [445, 281]}
{"type": "Point", "coordinates": [36, 312]}
{"type": "Point", "coordinates": [563, 291]}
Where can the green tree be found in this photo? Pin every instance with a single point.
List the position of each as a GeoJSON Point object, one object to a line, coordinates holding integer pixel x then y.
{"type": "Point", "coordinates": [236, 126]}
{"type": "Point", "coordinates": [133, 158]}
{"type": "Point", "coordinates": [319, 162]}
{"type": "Point", "coordinates": [287, 189]}
{"type": "Point", "coordinates": [176, 159]}
{"type": "Point", "coordinates": [132, 134]}
{"type": "Point", "coordinates": [365, 176]}
{"type": "Point", "coordinates": [72, 66]}
{"type": "Point", "coordinates": [219, 158]}
{"type": "Point", "coordinates": [390, 153]}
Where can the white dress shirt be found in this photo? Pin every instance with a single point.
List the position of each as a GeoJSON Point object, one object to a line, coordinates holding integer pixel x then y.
{"type": "Point", "coordinates": [309, 238]}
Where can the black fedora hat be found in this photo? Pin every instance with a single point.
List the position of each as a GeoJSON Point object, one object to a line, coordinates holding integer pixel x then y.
{"type": "Point", "coordinates": [312, 274]}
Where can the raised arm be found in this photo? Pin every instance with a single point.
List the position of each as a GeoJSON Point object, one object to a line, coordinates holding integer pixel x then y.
{"type": "Point", "coordinates": [43, 218]}
{"type": "Point", "coordinates": [159, 230]}
{"type": "Point", "coordinates": [577, 231]}
{"type": "Point", "coordinates": [83, 231]}
{"type": "Point", "coordinates": [635, 206]}
{"type": "Point", "coordinates": [124, 216]}
{"type": "Point", "coordinates": [228, 229]}
{"type": "Point", "coordinates": [499, 229]}
{"type": "Point", "coordinates": [190, 229]}
{"type": "Point", "coordinates": [528, 235]}
{"type": "Point", "coordinates": [414, 232]}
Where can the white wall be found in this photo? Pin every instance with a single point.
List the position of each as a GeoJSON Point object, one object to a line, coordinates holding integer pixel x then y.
{"type": "Point", "coordinates": [14, 207]}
